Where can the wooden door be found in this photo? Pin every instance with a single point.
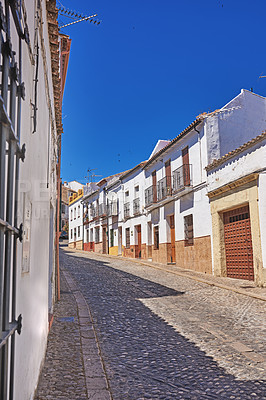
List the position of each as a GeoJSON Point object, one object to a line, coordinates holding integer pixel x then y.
{"type": "Point", "coordinates": [238, 244]}
{"type": "Point", "coordinates": [104, 241]}
{"type": "Point", "coordinates": [172, 229]}
{"type": "Point", "coordinates": [138, 246]}
{"type": "Point", "coordinates": [186, 172]}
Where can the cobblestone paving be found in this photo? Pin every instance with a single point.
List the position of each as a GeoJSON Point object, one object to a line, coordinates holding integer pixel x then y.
{"type": "Point", "coordinates": [167, 337]}
{"type": "Point", "coordinates": [63, 374]}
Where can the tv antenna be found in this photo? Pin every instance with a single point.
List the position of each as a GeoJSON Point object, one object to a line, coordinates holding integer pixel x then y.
{"type": "Point", "coordinates": [90, 177]}
{"type": "Point", "coordinates": [75, 16]}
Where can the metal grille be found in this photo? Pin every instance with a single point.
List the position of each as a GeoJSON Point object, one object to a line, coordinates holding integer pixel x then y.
{"type": "Point", "coordinates": [238, 244]}
{"type": "Point", "coordinates": [12, 91]}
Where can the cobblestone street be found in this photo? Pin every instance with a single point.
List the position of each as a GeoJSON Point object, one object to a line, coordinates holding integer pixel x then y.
{"type": "Point", "coordinates": [157, 336]}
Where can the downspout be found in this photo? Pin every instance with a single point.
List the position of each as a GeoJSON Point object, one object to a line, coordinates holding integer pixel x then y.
{"type": "Point", "coordinates": [199, 141]}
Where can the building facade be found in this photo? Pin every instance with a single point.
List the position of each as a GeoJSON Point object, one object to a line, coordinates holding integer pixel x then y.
{"type": "Point", "coordinates": [30, 131]}
{"type": "Point", "coordinates": [237, 193]}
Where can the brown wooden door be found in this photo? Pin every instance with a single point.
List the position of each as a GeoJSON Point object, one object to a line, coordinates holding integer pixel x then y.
{"type": "Point", "coordinates": [186, 172]}
{"type": "Point", "coordinates": [104, 241]}
{"type": "Point", "coordinates": [172, 229]}
{"type": "Point", "coordinates": [154, 186]}
{"type": "Point", "coordinates": [138, 246]}
{"type": "Point", "coordinates": [238, 244]}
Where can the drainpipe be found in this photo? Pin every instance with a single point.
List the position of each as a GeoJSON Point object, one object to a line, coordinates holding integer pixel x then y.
{"type": "Point", "coordinates": [199, 141]}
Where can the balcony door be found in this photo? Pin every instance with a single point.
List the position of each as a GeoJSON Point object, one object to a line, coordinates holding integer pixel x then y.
{"type": "Point", "coordinates": [186, 173]}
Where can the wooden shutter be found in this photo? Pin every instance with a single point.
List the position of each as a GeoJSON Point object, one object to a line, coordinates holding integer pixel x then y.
{"type": "Point", "coordinates": [186, 172]}
{"type": "Point", "coordinates": [154, 186]}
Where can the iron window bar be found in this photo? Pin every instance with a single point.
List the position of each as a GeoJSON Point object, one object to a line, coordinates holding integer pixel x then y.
{"type": "Point", "coordinates": [163, 189]}
{"type": "Point", "coordinates": [136, 206]}
{"type": "Point", "coordinates": [127, 210]}
{"type": "Point", "coordinates": [149, 196]}
{"type": "Point", "coordinates": [182, 177]}
{"type": "Point", "coordinates": [11, 93]}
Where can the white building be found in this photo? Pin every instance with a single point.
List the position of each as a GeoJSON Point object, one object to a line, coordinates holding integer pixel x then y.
{"type": "Point", "coordinates": [75, 233]}
{"type": "Point", "coordinates": [162, 209]}
{"type": "Point", "coordinates": [237, 193]}
{"type": "Point", "coordinates": [31, 120]}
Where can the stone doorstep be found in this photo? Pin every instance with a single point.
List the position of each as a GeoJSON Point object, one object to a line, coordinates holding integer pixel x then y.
{"type": "Point", "coordinates": [190, 274]}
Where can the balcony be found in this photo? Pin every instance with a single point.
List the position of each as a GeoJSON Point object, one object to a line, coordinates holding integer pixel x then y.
{"type": "Point", "coordinates": [112, 209]}
{"type": "Point", "coordinates": [149, 196]}
{"type": "Point", "coordinates": [94, 212]}
{"type": "Point", "coordinates": [182, 178]}
{"type": "Point", "coordinates": [127, 210]}
{"type": "Point", "coordinates": [164, 188]}
{"type": "Point", "coordinates": [136, 206]}
{"type": "Point", "coordinates": [102, 210]}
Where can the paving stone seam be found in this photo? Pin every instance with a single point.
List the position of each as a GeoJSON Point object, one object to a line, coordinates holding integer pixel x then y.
{"type": "Point", "coordinates": [184, 275]}
{"type": "Point", "coordinates": [100, 382]}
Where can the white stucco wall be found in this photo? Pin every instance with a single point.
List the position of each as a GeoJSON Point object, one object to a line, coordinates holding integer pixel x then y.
{"type": "Point", "coordinates": [38, 198]}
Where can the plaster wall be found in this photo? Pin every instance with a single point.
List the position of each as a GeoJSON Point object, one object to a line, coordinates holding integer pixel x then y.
{"type": "Point", "coordinates": [251, 160]}
{"type": "Point", "coordinates": [76, 221]}
{"type": "Point", "coordinates": [37, 197]}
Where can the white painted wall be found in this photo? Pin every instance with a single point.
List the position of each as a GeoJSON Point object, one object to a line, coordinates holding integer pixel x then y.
{"type": "Point", "coordinates": [76, 220]}
{"type": "Point", "coordinates": [38, 196]}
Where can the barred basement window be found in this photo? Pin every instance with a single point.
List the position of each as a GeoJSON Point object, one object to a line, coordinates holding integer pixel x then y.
{"type": "Point", "coordinates": [127, 237]}
{"type": "Point", "coordinates": [156, 237]}
{"type": "Point", "coordinates": [189, 234]}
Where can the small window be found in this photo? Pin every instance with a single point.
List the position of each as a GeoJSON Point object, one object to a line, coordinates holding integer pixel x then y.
{"type": "Point", "coordinates": [127, 193]}
{"type": "Point", "coordinates": [75, 212]}
{"type": "Point", "coordinates": [156, 237]}
{"type": "Point", "coordinates": [127, 238]}
{"type": "Point", "coordinates": [75, 233]}
{"type": "Point", "coordinates": [188, 227]}
{"type": "Point", "coordinates": [71, 213]}
{"type": "Point", "coordinates": [136, 191]}
{"type": "Point", "coordinates": [78, 231]}
{"type": "Point", "coordinates": [78, 211]}
{"type": "Point", "coordinates": [71, 234]}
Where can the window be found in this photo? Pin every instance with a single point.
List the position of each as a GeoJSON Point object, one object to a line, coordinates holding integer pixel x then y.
{"type": "Point", "coordinates": [75, 233]}
{"type": "Point", "coordinates": [154, 186]}
{"type": "Point", "coordinates": [91, 235]}
{"type": "Point", "coordinates": [71, 213]}
{"type": "Point", "coordinates": [63, 208]}
{"type": "Point", "coordinates": [78, 211]}
{"type": "Point", "coordinates": [111, 238]}
{"type": "Point", "coordinates": [71, 234]}
{"type": "Point", "coordinates": [186, 172]}
{"type": "Point", "coordinates": [75, 213]}
{"type": "Point", "coordinates": [136, 191]}
{"type": "Point", "coordinates": [97, 235]}
{"type": "Point", "coordinates": [127, 194]}
{"type": "Point", "coordinates": [127, 238]}
{"type": "Point", "coordinates": [88, 235]}
{"type": "Point", "coordinates": [78, 231]}
{"type": "Point", "coordinates": [156, 237]}
{"type": "Point", "coordinates": [188, 226]}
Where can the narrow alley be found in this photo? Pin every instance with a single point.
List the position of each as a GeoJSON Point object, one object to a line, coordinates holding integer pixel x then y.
{"type": "Point", "coordinates": [127, 331]}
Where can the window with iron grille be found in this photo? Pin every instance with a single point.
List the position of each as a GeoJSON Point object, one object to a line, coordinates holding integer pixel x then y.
{"type": "Point", "coordinates": [188, 227]}
{"type": "Point", "coordinates": [78, 231]}
{"type": "Point", "coordinates": [71, 234]}
{"type": "Point", "coordinates": [156, 237]}
{"type": "Point", "coordinates": [97, 235]}
{"type": "Point", "coordinates": [11, 95]}
{"type": "Point", "coordinates": [127, 210]}
{"type": "Point", "coordinates": [127, 237]}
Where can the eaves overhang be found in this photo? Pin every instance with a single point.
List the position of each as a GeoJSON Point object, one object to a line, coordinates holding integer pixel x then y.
{"type": "Point", "coordinates": [192, 126]}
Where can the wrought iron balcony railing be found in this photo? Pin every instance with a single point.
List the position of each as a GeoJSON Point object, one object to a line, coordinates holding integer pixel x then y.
{"type": "Point", "coordinates": [149, 196]}
{"type": "Point", "coordinates": [136, 206]}
{"type": "Point", "coordinates": [127, 210]}
{"type": "Point", "coordinates": [102, 210]}
{"type": "Point", "coordinates": [182, 177]}
{"type": "Point", "coordinates": [112, 209]}
{"type": "Point", "coordinates": [164, 188]}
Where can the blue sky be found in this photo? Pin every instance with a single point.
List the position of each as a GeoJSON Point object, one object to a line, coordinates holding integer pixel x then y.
{"type": "Point", "coordinates": [148, 70]}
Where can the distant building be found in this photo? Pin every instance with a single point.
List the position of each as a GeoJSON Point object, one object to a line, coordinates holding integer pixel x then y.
{"type": "Point", "coordinates": [163, 208]}
{"type": "Point", "coordinates": [68, 189]}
